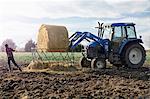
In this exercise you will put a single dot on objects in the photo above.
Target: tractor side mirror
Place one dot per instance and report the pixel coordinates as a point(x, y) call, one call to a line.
point(140, 36)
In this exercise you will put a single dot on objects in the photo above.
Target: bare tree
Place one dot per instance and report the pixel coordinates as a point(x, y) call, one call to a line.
point(10, 42)
point(29, 45)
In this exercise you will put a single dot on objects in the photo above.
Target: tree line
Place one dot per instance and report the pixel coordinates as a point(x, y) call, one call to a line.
point(12, 44)
point(29, 45)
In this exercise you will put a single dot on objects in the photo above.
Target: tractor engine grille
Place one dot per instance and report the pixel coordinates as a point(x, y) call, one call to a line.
point(95, 52)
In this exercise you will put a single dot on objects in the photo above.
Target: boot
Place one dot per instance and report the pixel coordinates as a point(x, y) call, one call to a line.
point(20, 69)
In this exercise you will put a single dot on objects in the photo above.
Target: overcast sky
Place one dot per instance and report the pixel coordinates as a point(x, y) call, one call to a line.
point(21, 19)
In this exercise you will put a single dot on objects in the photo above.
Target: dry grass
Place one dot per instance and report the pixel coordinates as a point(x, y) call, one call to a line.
point(61, 66)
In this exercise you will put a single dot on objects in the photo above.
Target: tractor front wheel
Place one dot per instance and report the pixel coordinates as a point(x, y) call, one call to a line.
point(134, 56)
point(83, 62)
point(98, 63)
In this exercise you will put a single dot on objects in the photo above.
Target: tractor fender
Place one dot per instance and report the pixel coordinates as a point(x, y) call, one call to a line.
point(127, 42)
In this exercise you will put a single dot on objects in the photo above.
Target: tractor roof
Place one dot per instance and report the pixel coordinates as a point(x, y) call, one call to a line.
point(122, 24)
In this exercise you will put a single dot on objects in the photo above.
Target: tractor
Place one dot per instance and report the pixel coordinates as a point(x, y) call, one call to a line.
point(116, 43)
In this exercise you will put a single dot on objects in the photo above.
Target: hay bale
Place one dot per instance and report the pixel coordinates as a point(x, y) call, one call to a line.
point(37, 65)
point(52, 38)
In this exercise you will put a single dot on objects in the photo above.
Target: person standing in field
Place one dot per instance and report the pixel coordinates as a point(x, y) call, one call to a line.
point(9, 52)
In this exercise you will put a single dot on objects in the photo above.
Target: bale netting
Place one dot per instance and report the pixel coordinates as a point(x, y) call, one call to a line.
point(52, 38)
point(42, 65)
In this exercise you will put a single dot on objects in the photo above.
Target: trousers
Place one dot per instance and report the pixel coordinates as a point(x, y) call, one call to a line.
point(11, 59)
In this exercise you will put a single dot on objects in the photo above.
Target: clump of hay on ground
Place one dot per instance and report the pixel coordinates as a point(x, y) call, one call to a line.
point(55, 66)
point(38, 64)
point(63, 67)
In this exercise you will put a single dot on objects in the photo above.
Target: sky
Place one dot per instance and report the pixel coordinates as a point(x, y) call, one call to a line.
point(20, 20)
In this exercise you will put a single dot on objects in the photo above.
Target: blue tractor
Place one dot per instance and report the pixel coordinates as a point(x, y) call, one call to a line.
point(116, 43)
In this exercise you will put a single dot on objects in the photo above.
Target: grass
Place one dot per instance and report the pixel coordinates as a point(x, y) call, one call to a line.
point(26, 57)
point(19, 56)
point(147, 58)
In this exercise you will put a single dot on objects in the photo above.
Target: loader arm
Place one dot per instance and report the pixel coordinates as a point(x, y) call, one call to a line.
point(78, 37)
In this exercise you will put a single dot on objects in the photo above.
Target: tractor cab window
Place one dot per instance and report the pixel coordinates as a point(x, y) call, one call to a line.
point(118, 33)
point(107, 33)
point(131, 32)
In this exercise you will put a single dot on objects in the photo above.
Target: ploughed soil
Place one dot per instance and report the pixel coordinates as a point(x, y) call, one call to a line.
point(82, 84)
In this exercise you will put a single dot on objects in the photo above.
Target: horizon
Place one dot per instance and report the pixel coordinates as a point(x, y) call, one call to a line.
point(21, 20)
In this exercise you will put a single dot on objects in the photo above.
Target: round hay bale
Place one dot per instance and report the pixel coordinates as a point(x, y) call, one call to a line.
point(52, 38)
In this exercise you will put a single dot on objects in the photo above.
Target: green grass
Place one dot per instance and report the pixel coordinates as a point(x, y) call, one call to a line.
point(18, 56)
point(25, 57)
point(147, 58)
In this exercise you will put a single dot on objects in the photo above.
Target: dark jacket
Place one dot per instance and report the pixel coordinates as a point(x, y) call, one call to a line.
point(9, 52)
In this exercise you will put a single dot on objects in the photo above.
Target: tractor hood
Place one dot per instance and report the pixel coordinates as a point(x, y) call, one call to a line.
point(101, 42)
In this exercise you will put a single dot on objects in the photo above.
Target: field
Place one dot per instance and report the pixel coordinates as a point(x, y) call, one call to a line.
point(26, 57)
point(148, 58)
point(81, 84)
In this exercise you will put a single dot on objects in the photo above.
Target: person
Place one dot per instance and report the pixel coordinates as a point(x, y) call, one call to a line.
point(9, 52)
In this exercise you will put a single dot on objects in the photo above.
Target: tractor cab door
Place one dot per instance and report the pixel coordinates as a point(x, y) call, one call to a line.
point(118, 36)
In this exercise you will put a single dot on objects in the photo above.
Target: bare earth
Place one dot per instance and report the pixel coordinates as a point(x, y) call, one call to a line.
point(82, 84)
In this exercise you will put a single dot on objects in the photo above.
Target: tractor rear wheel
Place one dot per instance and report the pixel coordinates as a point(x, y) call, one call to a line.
point(98, 63)
point(83, 62)
point(134, 56)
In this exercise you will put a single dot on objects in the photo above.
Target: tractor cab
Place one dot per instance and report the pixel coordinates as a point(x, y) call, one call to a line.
point(120, 33)
point(117, 30)
point(117, 33)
